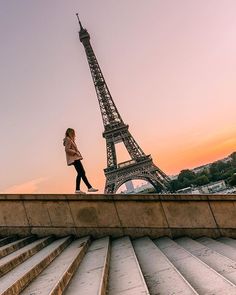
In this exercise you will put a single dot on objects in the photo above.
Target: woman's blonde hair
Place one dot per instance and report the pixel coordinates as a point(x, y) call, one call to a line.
point(70, 132)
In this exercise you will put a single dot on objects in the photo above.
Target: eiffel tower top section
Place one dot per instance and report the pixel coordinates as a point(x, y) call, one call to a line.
point(110, 115)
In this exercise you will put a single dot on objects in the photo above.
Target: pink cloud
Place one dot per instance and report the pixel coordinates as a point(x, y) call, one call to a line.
point(28, 187)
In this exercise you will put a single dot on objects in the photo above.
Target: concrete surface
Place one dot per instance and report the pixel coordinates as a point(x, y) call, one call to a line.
point(118, 215)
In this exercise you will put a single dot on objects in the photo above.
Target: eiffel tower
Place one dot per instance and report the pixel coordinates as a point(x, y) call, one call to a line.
point(141, 165)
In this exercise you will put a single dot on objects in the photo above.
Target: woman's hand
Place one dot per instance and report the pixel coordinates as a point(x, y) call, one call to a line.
point(79, 155)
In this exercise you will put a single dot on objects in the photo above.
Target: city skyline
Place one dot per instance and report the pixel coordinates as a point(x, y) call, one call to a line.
point(182, 84)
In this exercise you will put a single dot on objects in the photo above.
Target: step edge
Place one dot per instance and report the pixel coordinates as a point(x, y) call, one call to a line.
point(70, 271)
point(41, 266)
point(207, 266)
point(175, 269)
point(105, 272)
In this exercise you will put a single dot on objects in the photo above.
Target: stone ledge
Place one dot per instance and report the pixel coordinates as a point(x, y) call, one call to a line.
point(117, 215)
point(118, 197)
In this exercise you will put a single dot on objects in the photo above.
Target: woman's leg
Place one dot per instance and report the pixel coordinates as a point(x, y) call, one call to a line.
point(81, 174)
point(84, 177)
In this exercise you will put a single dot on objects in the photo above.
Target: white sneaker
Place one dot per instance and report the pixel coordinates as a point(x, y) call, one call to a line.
point(92, 190)
point(80, 192)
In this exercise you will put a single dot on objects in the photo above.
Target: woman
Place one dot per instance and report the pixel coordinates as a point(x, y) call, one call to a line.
point(73, 157)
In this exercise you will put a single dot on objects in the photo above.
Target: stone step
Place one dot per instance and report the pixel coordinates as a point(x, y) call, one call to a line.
point(7, 240)
point(125, 275)
point(10, 261)
point(16, 280)
point(203, 278)
point(161, 276)
point(13, 246)
point(54, 279)
point(219, 247)
point(223, 265)
point(228, 241)
point(121, 267)
point(92, 274)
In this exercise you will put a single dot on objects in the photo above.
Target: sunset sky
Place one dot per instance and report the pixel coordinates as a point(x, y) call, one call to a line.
point(169, 64)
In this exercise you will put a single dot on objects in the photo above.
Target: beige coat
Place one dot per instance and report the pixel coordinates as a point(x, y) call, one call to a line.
point(72, 152)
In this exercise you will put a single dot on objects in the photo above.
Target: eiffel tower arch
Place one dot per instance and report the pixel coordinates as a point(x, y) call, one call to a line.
point(140, 165)
point(115, 181)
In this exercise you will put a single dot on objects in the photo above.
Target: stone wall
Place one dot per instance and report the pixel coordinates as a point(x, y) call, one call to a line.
point(118, 215)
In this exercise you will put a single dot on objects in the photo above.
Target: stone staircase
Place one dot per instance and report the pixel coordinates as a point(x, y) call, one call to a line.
point(49, 265)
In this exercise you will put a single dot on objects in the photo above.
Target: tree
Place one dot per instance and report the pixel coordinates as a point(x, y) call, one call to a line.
point(204, 172)
point(233, 156)
point(186, 182)
point(227, 174)
point(201, 180)
point(232, 181)
point(214, 172)
point(186, 175)
point(174, 185)
point(214, 168)
point(220, 165)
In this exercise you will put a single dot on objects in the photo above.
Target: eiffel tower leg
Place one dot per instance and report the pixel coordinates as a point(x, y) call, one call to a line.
point(156, 178)
point(158, 187)
point(111, 154)
point(132, 147)
point(109, 187)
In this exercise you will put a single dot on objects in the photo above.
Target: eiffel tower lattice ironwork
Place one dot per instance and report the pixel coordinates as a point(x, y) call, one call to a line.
point(141, 165)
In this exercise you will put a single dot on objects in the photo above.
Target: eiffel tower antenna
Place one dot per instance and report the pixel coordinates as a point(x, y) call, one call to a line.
point(81, 27)
point(141, 165)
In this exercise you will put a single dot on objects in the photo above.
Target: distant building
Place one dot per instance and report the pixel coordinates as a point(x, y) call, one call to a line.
point(185, 190)
point(201, 168)
point(129, 186)
point(229, 190)
point(143, 187)
point(209, 188)
point(173, 177)
point(227, 159)
point(213, 187)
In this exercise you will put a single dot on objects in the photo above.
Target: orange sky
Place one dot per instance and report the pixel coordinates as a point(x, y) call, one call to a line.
point(200, 153)
point(170, 66)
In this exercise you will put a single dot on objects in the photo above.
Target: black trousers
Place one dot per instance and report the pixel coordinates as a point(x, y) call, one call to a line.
point(80, 174)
